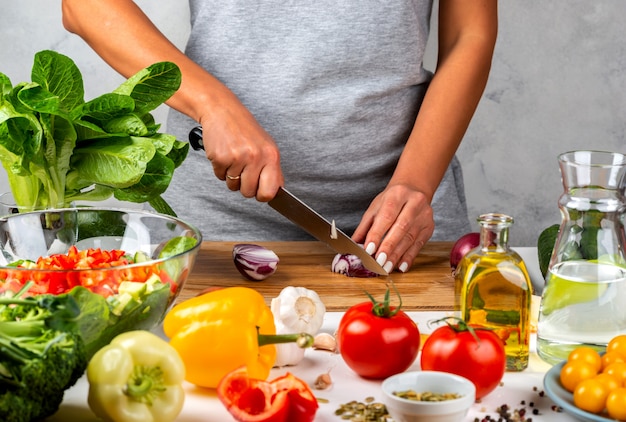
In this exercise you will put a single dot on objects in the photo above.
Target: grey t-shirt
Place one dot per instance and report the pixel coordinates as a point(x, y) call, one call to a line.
point(337, 84)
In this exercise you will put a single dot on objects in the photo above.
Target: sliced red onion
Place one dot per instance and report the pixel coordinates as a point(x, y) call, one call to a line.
point(351, 266)
point(254, 262)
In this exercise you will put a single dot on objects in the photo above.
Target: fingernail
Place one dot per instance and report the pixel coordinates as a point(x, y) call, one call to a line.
point(403, 267)
point(371, 248)
point(382, 258)
point(388, 266)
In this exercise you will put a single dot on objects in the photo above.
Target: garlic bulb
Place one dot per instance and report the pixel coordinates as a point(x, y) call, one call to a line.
point(299, 309)
point(296, 310)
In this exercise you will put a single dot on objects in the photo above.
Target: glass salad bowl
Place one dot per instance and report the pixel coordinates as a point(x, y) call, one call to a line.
point(124, 268)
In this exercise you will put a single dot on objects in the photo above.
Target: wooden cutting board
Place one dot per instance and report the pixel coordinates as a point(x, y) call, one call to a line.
point(429, 284)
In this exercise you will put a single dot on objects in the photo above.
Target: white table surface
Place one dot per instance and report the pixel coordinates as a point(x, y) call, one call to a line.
point(203, 404)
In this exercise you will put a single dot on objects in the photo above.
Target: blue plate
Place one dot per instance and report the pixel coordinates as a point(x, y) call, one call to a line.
point(561, 397)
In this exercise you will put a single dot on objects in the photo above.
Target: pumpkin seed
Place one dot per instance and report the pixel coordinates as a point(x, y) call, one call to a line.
point(367, 411)
point(426, 395)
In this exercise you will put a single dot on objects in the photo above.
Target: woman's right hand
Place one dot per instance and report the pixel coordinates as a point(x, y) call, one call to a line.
point(242, 153)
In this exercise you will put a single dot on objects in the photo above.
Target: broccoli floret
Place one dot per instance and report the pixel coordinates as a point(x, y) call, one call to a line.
point(41, 355)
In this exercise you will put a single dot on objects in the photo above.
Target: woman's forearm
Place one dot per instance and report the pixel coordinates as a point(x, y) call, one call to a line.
point(466, 42)
point(121, 33)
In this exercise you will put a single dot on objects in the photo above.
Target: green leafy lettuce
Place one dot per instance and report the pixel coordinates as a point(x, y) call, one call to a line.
point(56, 148)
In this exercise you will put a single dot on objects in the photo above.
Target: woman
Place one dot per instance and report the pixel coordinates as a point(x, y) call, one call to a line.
point(322, 97)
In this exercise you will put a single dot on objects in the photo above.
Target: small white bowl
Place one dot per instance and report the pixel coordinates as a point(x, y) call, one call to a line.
point(405, 410)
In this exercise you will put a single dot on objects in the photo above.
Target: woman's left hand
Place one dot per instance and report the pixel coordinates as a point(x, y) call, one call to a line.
point(395, 227)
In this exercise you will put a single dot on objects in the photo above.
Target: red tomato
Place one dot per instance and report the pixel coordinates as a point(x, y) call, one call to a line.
point(284, 399)
point(377, 346)
point(477, 356)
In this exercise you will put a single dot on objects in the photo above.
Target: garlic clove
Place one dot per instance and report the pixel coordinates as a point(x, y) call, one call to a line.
point(325, 341)
point(323, 382)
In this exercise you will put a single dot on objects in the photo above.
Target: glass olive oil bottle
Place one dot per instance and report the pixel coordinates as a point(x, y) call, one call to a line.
point(495, 289)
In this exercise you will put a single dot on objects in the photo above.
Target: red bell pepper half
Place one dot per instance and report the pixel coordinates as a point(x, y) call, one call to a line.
point(284, 399)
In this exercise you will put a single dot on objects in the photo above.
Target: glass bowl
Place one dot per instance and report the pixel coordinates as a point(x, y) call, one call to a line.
point(77, 245)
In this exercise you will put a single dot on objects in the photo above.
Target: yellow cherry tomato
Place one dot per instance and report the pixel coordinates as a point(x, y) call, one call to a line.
point(591, 395)
point(616, 404)
point(611, 381)
point(618, 369)
point(586, 354)
point(611, 357)
point(574, 372)
point(617, 344)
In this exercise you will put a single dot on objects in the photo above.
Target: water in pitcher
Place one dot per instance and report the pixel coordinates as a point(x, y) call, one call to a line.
point(584, 302)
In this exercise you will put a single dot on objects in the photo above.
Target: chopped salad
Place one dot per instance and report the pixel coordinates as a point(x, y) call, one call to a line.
point(100, 271)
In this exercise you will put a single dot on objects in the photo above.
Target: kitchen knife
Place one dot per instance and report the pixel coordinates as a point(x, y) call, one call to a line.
point(317, 226)
point(308, 219)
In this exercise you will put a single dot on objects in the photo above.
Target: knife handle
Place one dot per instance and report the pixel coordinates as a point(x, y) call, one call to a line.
point(195, 138)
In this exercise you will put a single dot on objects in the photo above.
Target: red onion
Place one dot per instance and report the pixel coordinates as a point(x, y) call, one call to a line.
point(351, 266)
point(466, 243)
point(254, 262)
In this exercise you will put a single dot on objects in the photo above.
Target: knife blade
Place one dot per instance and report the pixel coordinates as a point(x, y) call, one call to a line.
point(317, 226)
point(308, 219)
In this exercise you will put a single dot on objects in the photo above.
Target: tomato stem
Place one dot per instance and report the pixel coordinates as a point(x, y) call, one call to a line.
point(383, 309)
point(459, 325)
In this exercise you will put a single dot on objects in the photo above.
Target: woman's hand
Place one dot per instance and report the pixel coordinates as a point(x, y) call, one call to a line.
point(242, 153)
point(397, 224)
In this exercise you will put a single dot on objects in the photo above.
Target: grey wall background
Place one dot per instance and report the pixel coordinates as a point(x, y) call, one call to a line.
point(558, 83)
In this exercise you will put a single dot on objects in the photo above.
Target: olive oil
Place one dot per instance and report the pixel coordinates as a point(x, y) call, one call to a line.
point(495, 289)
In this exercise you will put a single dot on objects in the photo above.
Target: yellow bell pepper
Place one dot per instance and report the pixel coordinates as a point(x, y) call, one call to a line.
point(137, 377)
point(220, 331)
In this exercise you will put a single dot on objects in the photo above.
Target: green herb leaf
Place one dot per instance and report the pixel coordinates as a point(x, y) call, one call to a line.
point(5, 85)
point(59, 75)
point(152, 86)
point(115, 162)
point(545, 246)
point(154, 181)
point(57, 148)
point(104, 108)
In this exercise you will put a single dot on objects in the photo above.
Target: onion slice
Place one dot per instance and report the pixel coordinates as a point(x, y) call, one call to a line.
point(254, 262)
point(351, 266)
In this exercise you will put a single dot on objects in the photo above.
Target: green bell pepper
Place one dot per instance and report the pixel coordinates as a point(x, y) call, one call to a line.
point(137, 377)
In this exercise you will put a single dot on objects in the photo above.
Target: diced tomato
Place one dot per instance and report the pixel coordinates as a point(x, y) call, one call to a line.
point(59, 273)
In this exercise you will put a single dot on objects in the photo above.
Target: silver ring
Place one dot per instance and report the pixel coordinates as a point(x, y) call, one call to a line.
point(229, 177)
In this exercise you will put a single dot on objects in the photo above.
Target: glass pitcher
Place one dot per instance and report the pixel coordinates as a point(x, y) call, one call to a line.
point(584, 299)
